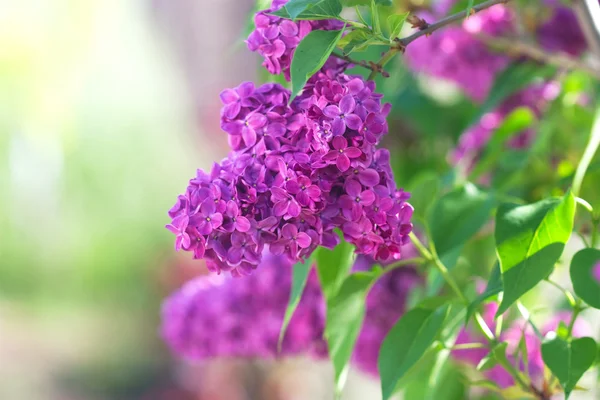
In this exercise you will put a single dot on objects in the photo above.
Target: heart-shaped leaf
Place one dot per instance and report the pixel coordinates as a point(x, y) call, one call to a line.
point(568, 361)
point(585, 283)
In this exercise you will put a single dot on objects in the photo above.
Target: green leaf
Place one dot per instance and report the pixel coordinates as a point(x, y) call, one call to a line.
point(568, 361)
point(345, 314)
point(456, 217)
point(395, 23)
point(310, 55)
point(585, 284)
point(313, 10)
point(529, 241)
point(357, 40)
point(352, 3)
point(300, 273)
point(333, 266)
point(469, 7)
point(406, 343)
point(375, 18)
point(494, 286)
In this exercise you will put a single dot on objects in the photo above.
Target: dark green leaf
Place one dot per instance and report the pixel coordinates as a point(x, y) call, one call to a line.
point(568, 361)
point(456, 217)
point(310, 55)
point(585, 284)
point(395, 23)
point(345, 314)
point(333, 266)
point(494, 286)
point(314, 10)
point(406, 343)
point(529, 241)
point(299, 277)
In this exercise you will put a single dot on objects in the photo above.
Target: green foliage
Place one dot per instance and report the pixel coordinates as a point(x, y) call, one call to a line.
point(406, 343)
point(357, 40)
point(299, 277)
point(584, 283)
point(395, 23)
point(494, 287)
point(569, 360)
point(333, 266)
point(310, 55)
point(345, 314)
point(310, 10)
point(529, 241)
point(424, 189)
point(352, 3)
point(456, 217)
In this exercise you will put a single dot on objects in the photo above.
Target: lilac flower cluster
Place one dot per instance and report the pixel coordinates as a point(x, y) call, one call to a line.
point(536, 98)
point(296, 173)
point(512, 336)
point(276, 38)
point(455, 54)
point(217, 316)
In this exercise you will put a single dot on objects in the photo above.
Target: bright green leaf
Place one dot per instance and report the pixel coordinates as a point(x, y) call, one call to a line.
point(333, 266)
point(310, 55)
point(423, 192)
point(352, 3)
point(395, 23)
point(314, 10)
point(406, 343)
point(300, 273)
point(494, 286)
point(469, 7)
point(529, 241)
point(456, 217)
point(585, 284)
point(375, 18)
point(568, 361)
point(357, 40)
point(345, 314)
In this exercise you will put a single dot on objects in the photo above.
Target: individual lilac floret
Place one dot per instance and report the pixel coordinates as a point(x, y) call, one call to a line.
point(471, 143)
point(276, 38)
point(227, 317)
point(217, 316)
point(297, 172)
point(512, 336)
point(454, 54)
point(561, 31)
point(596, 272)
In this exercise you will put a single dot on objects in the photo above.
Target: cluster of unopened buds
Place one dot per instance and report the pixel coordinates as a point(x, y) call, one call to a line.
point(298, 170)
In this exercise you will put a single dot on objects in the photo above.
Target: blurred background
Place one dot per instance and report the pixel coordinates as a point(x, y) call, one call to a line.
point(106, 110)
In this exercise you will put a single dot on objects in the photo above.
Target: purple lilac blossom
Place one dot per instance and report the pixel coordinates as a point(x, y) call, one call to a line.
point(454, 54)
point(218, 316)
point(276, 38)
point(512, 336)
point(296, 173)
point(561, 31)
point(471, 143)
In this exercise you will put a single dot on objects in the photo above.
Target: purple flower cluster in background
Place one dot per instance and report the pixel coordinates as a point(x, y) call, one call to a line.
point(596, 271)
point(219, 316)
point(536, 98)
point(296, 173)
point(512, 336)
point(457, 55)
point(276, 38)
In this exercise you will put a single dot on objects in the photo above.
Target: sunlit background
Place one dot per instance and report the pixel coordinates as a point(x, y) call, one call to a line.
point(106, 110)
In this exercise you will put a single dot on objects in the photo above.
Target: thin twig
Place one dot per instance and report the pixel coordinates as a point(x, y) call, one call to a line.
point(448, 20)
point(365, 64)
point(517, 47)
